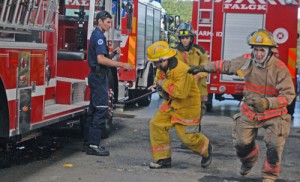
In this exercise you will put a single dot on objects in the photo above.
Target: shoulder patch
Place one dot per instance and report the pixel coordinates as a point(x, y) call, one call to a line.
point(200, 48)
point(100, 42)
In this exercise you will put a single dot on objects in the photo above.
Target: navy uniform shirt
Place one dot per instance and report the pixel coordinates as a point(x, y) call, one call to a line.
point(97, 46)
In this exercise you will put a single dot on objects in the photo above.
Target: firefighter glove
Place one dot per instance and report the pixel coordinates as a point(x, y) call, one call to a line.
point(162, 93)
point(196, 69)
point(259, 104)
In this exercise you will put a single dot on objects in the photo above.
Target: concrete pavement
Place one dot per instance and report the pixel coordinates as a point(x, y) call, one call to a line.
point(130, 155)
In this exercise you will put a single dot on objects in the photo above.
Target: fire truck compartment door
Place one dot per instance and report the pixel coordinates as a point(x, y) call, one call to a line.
point(24, 92)
point(148, 31)
point(24, 110)
point(237, 27)
point(141, 46)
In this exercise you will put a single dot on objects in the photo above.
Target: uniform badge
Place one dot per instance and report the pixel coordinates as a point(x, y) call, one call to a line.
point(100, 42)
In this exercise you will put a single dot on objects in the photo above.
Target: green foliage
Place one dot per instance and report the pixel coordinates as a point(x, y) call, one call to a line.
point(298, 48)
point(181, 8)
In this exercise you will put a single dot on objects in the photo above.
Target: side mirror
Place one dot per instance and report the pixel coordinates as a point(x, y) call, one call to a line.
point(177, 21)
point(167, 21)
point(170, 19)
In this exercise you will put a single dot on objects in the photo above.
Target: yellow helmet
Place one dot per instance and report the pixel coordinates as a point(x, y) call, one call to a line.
point(160, 50)
point(261, 37)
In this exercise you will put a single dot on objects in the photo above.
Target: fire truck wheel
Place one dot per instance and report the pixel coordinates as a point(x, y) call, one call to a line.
point(209, 103)
point(291, 107)
point(132, 95)
point(146, 100)
point(5, 156)
point(113, 82)
point(107, 130)
point(150, 80)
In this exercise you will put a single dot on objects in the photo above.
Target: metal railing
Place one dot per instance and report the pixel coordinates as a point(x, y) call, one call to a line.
point(27, 15)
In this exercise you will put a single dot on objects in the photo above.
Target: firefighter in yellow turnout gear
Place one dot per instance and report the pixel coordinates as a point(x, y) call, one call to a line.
point(193, 55)
point(180, 108)
point(269, 89)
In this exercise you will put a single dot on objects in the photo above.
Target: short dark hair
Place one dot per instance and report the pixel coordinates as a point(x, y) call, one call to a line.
point(103, 15)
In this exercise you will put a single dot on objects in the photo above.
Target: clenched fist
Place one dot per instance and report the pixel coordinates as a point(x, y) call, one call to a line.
point(196, 69)
point(127, 66)
point(259, 104)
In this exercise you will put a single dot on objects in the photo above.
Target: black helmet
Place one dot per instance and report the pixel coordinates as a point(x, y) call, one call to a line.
point(185, 29)
point(103, 15)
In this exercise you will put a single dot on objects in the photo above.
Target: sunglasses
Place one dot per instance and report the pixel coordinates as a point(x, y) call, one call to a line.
point(183, 32)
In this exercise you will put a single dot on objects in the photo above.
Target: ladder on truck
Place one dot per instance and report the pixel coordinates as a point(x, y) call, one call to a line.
point(24, 16)
point(205, 24)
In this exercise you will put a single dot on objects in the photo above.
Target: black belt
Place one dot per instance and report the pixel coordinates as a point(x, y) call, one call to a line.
point(99, 70)
point(93, 69)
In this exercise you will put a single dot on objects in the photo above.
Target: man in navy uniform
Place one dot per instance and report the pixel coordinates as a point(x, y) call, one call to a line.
point(100, 62)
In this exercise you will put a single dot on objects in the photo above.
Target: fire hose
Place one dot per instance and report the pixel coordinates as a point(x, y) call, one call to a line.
point(139, 97)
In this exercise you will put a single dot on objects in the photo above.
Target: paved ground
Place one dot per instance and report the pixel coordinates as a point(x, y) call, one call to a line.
point(130, 155)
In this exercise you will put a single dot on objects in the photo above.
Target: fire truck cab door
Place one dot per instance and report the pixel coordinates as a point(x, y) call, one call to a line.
point(237, 27)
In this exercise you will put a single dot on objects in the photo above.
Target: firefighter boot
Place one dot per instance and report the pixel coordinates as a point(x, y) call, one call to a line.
point(97, 150)
point(84, 146)
point(205, 162)
point(161, 163)
point(183, 146)
point(245, 169)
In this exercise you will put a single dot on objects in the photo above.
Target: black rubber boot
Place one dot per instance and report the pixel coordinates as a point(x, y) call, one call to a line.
point(183, 146)
point(245, 169)
point(161, 163)
point(84, 146)
point(205, 162)
point(96, 150)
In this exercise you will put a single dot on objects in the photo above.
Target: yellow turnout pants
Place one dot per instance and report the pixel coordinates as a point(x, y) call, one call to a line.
point(160, 137)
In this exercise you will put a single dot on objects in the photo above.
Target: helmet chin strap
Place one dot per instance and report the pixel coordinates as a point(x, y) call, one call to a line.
point(263, 62)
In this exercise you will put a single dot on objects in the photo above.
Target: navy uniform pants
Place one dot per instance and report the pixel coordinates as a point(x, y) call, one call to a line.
point(98, 108)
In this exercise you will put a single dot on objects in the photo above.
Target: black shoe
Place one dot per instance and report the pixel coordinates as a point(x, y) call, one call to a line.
point(245, 169)
point(84, 147)
point(161, 163)
point(97, 150)
point(183, 146)
point(205, 162)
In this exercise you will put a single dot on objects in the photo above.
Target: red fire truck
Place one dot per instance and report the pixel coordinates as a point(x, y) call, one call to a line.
point(223, 26)
point(43, 59)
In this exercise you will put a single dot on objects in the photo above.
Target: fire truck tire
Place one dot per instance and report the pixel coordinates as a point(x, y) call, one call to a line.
point(132, 94)
point(113, 82)
point(209, 103)
point(107, 129)
point(5, 156)
point(291, 107)
point(150, 80)
point(4, 112)
point(146, 100)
